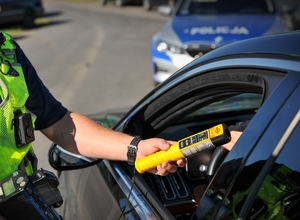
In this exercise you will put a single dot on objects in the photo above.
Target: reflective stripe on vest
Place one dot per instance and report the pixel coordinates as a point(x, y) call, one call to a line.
point(13, 95)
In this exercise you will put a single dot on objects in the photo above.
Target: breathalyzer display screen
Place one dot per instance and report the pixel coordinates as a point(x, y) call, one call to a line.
point(8, 187)
point(193, 139)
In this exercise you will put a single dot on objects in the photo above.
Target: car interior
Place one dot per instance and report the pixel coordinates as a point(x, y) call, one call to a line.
point(227, 96)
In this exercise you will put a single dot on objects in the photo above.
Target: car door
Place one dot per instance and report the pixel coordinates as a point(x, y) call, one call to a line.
point(260, 177)
point(224, 95)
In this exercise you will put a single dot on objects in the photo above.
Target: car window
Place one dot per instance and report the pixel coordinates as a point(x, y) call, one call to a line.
point(205, 7)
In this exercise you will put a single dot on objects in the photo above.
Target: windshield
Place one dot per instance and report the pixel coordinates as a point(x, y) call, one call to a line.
point(213, 7)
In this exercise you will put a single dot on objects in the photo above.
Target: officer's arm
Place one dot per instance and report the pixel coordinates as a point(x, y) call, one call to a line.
point(79, 134)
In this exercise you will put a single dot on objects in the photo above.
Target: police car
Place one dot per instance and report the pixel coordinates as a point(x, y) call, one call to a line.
point(199, 26)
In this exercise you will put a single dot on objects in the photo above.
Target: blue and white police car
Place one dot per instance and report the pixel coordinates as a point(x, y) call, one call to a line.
point(199, 26)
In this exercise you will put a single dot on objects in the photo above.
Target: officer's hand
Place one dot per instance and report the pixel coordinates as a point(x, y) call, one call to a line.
point(152, 145)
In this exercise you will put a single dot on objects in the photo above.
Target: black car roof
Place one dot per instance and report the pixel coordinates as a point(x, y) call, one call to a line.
point(284, 44)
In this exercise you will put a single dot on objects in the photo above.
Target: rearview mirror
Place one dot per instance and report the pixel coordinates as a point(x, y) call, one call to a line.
point(61, 159)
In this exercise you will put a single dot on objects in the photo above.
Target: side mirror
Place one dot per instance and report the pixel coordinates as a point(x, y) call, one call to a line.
point(61, 159)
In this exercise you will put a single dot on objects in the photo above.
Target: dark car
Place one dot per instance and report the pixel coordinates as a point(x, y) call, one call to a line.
point(21, 11)
point(255, 82)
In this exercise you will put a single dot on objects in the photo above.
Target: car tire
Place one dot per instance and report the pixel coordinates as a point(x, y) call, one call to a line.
point(120, 3)
point(28, 20)
point(103, 2)
point(147, 5)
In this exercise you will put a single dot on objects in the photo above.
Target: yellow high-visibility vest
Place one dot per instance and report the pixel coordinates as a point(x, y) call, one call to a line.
point(13, 95)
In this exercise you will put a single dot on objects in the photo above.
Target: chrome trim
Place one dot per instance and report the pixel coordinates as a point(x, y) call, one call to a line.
point(286, 135)
point(270, 63)
point(125, 183)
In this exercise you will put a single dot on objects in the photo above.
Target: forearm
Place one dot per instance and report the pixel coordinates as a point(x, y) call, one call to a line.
point(78, 134)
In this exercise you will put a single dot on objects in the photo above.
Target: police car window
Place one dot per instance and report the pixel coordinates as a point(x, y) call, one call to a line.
point(204, 7)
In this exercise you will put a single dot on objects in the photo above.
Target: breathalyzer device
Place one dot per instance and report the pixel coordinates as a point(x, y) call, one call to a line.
point(187, 147)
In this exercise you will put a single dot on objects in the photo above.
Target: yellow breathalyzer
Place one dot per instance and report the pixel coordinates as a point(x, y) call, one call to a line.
point(187, 147)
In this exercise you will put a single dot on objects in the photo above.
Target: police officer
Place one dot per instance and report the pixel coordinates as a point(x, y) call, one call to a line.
point(76, 132)
point(24, 98)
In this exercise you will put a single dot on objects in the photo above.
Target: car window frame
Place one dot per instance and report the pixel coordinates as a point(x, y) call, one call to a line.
point(150, 115)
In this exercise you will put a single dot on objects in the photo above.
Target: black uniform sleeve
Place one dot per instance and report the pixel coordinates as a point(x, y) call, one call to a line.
point(40, 102)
